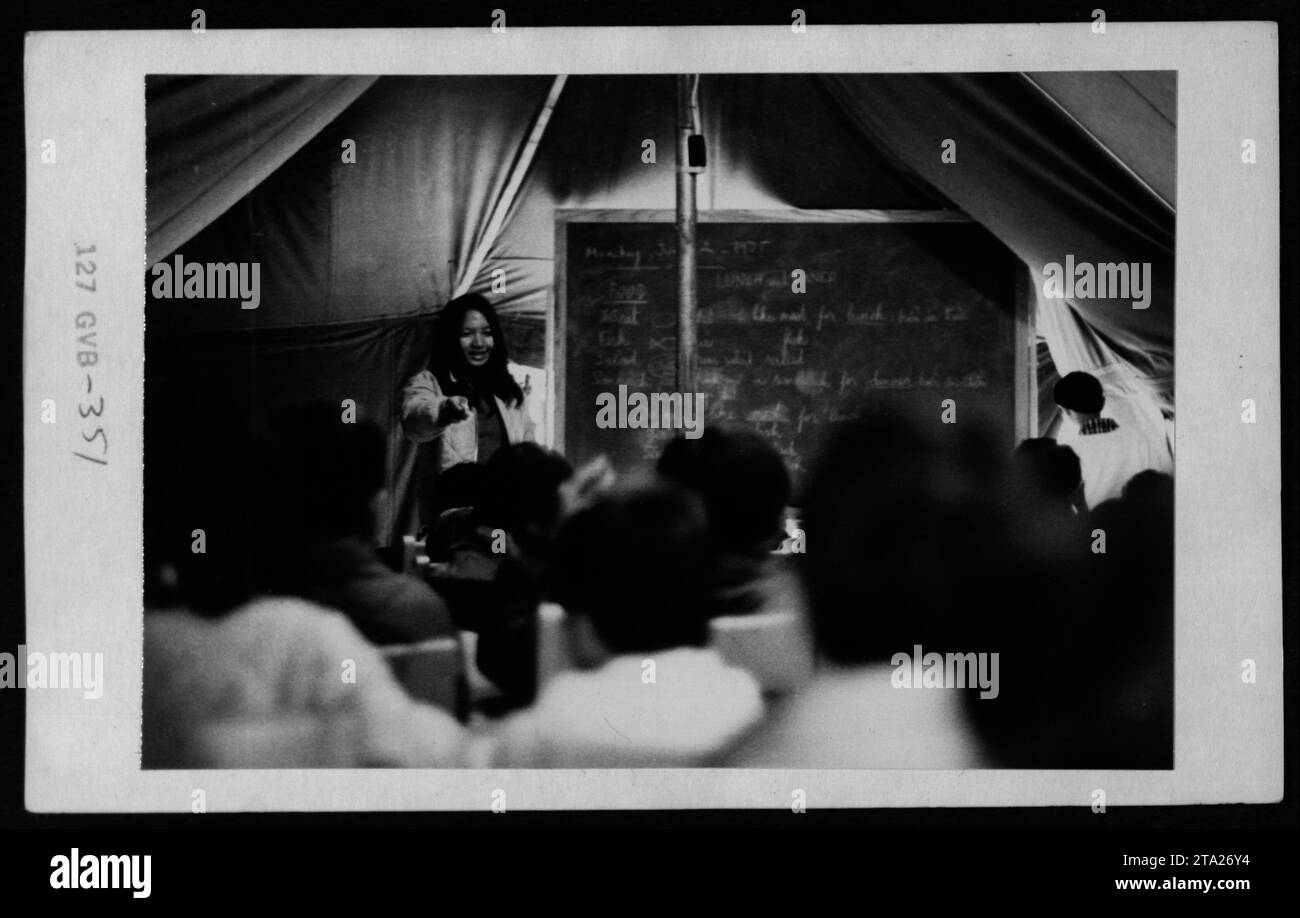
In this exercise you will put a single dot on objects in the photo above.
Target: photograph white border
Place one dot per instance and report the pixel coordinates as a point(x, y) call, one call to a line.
point(83, 521)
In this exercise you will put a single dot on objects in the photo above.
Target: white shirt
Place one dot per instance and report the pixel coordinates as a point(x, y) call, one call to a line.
point(854, 717)
point(1108, 460)
point(614, 717)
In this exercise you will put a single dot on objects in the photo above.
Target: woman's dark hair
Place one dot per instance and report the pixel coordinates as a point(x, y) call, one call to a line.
point(447, 362)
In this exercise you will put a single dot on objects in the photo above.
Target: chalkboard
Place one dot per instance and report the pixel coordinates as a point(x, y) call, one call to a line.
point(908, 312)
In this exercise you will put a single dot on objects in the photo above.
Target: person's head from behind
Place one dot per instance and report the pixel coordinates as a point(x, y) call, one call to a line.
point(1149, 496)
point(902, 524)
point(1047, 474)
point(469, 347)
point(520, 493)
point(632, 571)
point(325, 475)
point(742, 480)
point(1080, 396)
point(1150, 490)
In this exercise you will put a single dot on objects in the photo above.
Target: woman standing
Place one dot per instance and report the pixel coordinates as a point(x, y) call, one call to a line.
point(466, 405)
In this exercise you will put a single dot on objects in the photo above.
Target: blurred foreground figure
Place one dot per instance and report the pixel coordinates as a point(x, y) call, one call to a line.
point(234, 677)
point(281, 683)
point(900, 531)
point(633, 573)
point(317, 527)
point(1087, 635)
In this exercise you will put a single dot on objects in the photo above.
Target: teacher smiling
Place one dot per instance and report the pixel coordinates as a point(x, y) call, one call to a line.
point(466, 405)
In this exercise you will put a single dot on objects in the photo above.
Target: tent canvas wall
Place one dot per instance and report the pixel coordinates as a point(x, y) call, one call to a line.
point(364, 200)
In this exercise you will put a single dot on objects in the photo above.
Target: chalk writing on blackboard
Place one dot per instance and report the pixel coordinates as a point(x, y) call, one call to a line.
point(897, 314)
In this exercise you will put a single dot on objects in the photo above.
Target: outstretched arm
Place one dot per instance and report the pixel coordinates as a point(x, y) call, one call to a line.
point(426, 412)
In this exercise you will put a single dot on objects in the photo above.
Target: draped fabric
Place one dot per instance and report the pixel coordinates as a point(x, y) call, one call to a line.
point(438, 156)
point(356, 257)
point(388, 234)
point(1132, 114)
point(374, 216)
point(1046, 186)
point(212, 140)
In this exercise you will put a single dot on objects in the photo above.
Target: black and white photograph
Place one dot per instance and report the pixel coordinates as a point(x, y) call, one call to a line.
point(588, 422)
point(780, 418)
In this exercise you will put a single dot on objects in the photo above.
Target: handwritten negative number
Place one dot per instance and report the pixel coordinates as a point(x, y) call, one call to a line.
point(87, 267)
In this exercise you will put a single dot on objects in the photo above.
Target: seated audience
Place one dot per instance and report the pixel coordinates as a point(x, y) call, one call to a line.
point(1103, 581)
point(266, 685)
point(325, 484)
point(633, 573)
point(232, 679)
point(1136, 573)
point(497, 552)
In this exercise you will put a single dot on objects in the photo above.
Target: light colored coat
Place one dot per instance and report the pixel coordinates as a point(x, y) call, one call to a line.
point(422, 400)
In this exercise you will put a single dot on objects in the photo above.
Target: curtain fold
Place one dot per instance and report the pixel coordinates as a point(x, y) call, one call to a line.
point(1035, 178)
point(212, 140)
point(1131, 113)
point(434, 159)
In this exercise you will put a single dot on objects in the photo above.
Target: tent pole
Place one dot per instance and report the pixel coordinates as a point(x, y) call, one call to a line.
point(686, 213)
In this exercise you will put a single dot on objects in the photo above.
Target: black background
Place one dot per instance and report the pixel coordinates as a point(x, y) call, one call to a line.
point(1051, 855)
